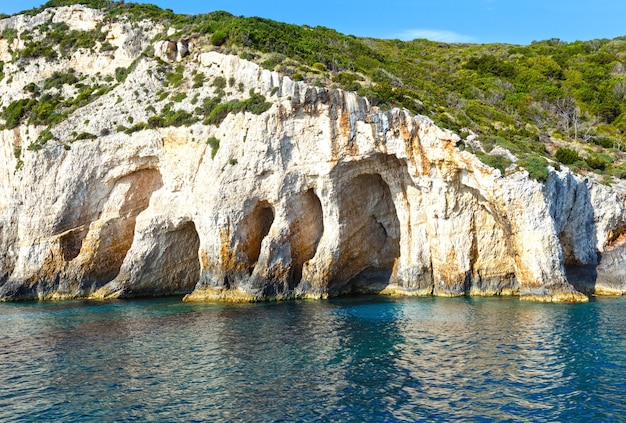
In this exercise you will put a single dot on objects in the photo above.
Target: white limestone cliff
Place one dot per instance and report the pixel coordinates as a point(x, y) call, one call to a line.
point(320, 195)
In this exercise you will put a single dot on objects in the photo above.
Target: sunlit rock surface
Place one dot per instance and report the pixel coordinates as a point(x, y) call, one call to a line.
point(320, 195)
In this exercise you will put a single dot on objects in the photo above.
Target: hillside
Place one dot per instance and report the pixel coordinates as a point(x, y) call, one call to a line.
point(531, 100)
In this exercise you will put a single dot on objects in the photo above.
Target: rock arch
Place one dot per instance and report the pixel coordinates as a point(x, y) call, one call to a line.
point(369, 236)
point(163, 261)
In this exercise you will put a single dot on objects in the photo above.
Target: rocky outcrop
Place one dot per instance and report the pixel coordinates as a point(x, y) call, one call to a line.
point(319, 195)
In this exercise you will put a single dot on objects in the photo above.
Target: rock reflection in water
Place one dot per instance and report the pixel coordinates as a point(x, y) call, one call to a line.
point(365, 359)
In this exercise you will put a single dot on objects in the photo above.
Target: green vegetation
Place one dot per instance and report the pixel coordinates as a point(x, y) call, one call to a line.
point(58, 79)
point(255, 104)
point(175, 78)
point(170, 117)
point(122, 73)
point(178, 97)
point(536, 167)
point(219, 37)
point(140, 126)
point(198, 80)
point(219, 82)
point(497, 162)
point(567, 156)
point(9, 34)
point(85, 136)
point(215, 145)
point(522, 98)
point(44, 136)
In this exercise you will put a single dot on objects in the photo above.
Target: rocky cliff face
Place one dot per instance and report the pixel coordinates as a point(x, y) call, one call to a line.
point(314, 194)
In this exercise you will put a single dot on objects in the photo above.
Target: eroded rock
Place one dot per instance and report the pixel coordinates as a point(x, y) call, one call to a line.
point(320, 195)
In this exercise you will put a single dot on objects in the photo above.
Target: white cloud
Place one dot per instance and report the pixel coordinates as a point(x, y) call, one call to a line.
point(436, 35)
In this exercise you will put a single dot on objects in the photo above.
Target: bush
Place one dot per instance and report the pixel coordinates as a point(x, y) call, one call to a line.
point(169, 117)
point(179, 97)
point(198, 80)
point(58, 79)
point(319, 66)
point(175, 79)
point(85, 136)
point(598, 162)
point(219, 37)
point(136, 127)
point(14, 112)
point(215, 145)
point(497, 162)
point(255, 104)
point(219, 82)
point(9, 34)
point(122, 73)
point(567, 156)
point(536, 167)
point(44, 136)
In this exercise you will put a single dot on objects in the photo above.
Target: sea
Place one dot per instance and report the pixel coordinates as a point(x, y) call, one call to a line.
point(361, 359)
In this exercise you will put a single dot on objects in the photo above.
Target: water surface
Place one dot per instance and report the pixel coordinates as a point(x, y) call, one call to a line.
point(359, 359)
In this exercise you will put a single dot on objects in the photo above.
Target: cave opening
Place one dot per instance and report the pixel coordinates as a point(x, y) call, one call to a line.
point(251, 232)
point(370, 236)
point(306, 231)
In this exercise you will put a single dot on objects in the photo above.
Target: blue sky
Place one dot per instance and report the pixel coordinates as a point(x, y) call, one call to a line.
point(478, 21)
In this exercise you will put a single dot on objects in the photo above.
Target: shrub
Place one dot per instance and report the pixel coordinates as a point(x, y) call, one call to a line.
point(175, 79)
point(9, 34)
point(219, 37)
point(598, 162)
point(122, 73)
point(34, 50)
point(567, 156)
point(215, 145)
point(319, 66)
point(497, 162)
point(33, 146)
point(14, 112)
point(219, 82)
point(179, 97)
point(85, 136)
point(198, 80)
point(255, 104)
point(208, 104)
point(536, 167)
point(271, 62)
point(58, 79)
point(32, 88)
point(44, 136)
point(136, 127)
point(169, 117)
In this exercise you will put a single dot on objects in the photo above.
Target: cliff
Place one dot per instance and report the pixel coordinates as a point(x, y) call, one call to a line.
point(195, 172)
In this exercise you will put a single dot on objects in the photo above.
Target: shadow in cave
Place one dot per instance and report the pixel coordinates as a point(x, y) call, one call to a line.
point(370, 237)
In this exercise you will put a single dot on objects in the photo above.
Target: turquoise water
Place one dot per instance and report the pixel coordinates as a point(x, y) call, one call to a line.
point(360, 359)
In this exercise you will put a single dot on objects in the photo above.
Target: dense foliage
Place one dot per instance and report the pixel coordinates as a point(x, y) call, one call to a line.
point(531, 100)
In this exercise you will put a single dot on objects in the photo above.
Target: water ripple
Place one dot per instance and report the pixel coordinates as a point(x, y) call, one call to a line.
point(364, 359)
